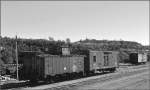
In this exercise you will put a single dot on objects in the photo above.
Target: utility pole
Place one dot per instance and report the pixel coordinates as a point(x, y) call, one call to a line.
point(17, 58)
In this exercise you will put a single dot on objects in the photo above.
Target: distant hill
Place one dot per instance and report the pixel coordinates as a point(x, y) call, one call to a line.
point(147, 47)
point(53, 47)
point(43, 45)
point(108, 44)
point(123, 47)
point(7, 47)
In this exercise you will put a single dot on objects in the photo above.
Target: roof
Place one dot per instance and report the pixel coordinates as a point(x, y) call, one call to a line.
point(49, 55)
point(100, 51)
point(30, 51)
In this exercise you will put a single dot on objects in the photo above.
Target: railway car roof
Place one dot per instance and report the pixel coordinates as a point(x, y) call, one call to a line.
point(50, 55)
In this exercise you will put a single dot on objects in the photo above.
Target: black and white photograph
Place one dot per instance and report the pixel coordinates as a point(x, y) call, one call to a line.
point(74, 45)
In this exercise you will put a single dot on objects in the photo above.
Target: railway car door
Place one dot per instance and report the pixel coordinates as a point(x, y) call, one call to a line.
point(140, 58)
point(74, 67)
point(106, 59)
point(94, 62)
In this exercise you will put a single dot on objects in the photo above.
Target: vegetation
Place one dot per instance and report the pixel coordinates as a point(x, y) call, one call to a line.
point(51, 46)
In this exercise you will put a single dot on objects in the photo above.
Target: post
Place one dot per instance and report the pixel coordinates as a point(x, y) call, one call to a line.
point(17, 58)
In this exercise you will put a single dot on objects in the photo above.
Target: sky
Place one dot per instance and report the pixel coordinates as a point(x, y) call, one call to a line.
point(109, 20)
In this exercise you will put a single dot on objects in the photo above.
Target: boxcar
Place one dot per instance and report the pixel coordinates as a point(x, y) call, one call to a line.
point(27, 59)
point(46, 66)
point(138, 58)
point(101, 61)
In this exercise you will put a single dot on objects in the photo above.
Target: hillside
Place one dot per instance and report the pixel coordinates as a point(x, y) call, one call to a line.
point(108, 45)
point(123, 47)
point(7, 52)
point(53, 47)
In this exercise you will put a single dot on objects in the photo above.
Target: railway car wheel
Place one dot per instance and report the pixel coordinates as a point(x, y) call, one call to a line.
point(49, 79)
point(113, 69)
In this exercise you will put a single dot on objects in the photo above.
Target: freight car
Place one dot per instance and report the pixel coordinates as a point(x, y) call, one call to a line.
point(100, 61)
point(52, 67)
point(56, 67)
point(138, 58)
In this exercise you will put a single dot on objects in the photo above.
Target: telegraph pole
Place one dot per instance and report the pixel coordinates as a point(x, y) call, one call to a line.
point(17, 58)
point(0, 20)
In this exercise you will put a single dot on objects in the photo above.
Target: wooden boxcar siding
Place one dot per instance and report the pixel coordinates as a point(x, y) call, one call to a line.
point(99, 60)
point(140, 58)
point(48, 65)
point(99, 64)
point(28, 66)
point(145, 57)
point(113, 59)
point(27, 58)
point(87, 62)
point(39, 67)
point(76, 64)
point(55, 65)
point(80, 64)
point(117, 59)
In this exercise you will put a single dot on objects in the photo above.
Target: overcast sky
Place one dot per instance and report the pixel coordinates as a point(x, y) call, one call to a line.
point(111, 20)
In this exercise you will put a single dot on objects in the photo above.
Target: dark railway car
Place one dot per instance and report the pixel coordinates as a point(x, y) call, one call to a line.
point(148, 57)
point(101, 61)
point(26, 58)
point(46, 66)
point(23, 55)
point(138, 58)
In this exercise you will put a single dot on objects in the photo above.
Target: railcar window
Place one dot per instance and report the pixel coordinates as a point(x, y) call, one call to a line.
point(94, 59)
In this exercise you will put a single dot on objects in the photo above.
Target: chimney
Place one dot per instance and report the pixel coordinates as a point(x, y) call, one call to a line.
point(65, 50)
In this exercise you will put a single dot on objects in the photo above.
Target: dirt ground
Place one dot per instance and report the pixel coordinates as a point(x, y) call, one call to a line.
point(139, 81)
point(125, 78)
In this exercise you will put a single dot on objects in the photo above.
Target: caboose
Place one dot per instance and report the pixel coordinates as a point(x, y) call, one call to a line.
point(101, 61)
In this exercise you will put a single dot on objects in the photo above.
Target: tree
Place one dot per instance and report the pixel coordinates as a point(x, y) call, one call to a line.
point(51, 38)
point(68, 41)
point(2, 69)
